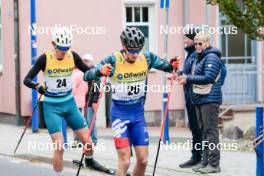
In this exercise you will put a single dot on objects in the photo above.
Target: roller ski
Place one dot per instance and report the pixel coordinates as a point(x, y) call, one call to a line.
point(94, 165)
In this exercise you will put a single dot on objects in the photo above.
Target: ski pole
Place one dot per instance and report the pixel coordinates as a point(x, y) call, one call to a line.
point(258, 142)
point(257, 139)
point(27, 125)
point(92, 123)
point(162, 126)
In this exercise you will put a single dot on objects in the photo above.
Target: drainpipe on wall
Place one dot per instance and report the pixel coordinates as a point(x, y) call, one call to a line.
point(35, 120)
point(17, 63)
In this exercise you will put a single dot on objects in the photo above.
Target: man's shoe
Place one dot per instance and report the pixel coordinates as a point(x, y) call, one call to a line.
point(210, 169)
point(189, 163)
point(94, 165)
point(198, 166)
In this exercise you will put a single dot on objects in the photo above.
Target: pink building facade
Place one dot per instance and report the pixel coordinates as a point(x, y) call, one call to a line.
point(96, 27)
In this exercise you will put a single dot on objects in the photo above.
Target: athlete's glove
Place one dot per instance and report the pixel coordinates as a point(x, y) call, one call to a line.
point(106, 70)
point(41, 89)
point(175, 62)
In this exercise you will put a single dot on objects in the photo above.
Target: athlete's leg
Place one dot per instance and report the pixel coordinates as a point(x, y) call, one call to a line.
point(140, 140)
point(53, 119)
point(123, 161)
point(78, 124)
point(87, 144)
point(121, 138)
point(89, 161)
point(58, 141)
point(76, 121)
point(142, 160)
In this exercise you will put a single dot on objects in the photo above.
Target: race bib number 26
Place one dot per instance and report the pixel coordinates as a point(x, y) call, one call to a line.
point(128, 92)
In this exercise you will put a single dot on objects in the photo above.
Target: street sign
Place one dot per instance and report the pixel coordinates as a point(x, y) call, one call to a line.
point(164, 4)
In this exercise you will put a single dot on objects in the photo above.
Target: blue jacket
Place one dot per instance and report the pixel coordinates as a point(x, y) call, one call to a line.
point(207, 67)
point(187, 70)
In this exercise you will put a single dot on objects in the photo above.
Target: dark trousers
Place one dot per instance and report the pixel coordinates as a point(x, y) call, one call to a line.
point(195, 129)
point(207, 115)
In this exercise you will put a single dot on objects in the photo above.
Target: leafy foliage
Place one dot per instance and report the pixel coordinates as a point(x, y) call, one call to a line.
point(248, 15)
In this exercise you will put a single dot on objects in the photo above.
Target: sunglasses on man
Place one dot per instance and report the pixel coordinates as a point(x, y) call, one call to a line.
point(133, 51)
point(62, 49)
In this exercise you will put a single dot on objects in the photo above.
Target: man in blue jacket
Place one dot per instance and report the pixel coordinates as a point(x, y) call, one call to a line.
point(193, 122)
point(207, 78)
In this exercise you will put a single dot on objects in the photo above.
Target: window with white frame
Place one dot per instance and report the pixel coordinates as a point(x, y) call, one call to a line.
point(1, 38)
point(139, 16)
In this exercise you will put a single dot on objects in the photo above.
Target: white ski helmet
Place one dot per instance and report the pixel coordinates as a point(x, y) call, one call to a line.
point(62, 37)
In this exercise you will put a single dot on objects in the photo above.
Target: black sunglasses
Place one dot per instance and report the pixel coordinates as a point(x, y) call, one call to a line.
point(200, 44)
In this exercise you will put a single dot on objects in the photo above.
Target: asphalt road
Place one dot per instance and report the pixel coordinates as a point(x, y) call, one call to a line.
point(10, 166)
